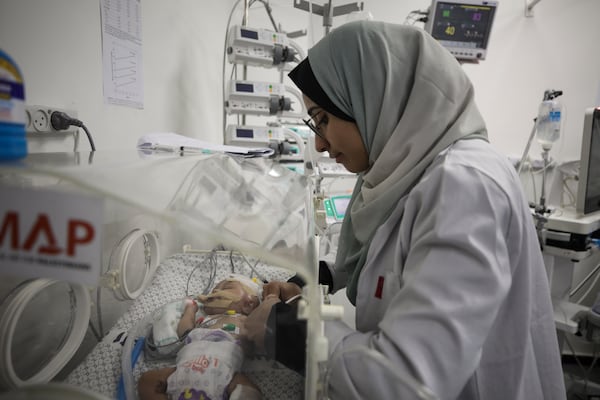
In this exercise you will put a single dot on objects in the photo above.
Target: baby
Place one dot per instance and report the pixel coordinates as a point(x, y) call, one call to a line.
point(208, 365)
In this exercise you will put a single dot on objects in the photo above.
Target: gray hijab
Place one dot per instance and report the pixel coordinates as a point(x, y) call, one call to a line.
point(410, 99)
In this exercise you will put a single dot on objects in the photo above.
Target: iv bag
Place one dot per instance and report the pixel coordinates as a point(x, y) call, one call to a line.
point(548, 123)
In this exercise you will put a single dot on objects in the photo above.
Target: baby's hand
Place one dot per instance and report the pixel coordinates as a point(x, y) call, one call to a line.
point(191, 304)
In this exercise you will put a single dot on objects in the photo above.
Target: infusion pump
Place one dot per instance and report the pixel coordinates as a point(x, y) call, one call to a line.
point(254, 135)
point(258, 98)
point(258, 47)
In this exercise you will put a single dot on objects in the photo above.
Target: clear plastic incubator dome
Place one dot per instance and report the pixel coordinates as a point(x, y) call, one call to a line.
point(121, 265)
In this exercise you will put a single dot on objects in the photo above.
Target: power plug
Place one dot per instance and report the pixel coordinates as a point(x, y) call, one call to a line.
point(39, 120)
point(61, 121)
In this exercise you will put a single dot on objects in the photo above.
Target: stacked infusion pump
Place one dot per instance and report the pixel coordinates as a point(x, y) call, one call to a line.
point(259, 48)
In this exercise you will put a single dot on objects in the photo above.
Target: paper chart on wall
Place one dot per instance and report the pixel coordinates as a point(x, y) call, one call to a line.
point(122, 52)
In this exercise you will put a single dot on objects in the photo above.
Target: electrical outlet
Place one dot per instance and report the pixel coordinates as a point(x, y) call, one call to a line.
point(38, 120)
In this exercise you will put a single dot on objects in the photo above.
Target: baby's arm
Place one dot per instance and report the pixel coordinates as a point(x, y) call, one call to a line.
point(188, 319)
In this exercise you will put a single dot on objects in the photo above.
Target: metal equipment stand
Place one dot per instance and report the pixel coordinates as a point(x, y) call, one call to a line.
point(327, 10)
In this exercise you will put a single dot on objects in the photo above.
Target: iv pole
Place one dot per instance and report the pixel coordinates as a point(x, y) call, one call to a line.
point(327, 10)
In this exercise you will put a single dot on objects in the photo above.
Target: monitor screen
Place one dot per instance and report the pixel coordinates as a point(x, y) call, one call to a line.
point(340, 204)
point(588, 189)
point(463, 27)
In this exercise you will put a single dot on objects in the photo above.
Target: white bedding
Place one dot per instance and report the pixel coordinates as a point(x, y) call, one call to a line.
point(101, 369)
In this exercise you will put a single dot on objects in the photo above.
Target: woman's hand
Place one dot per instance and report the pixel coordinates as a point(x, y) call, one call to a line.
point(283, 290)
point(255, 326)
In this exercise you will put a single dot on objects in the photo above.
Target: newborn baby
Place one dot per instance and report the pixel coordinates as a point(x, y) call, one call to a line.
point(208, 365)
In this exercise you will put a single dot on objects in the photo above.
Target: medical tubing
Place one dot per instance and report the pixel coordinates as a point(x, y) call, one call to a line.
point(298, 94)
point(422, 392)
point(139, 330)
point(545, 156)
point(137, 350)
point(213, 273)
point(298, 139)
point(212, 262)
point(309, 158)
point(231, 261)
point(532, 174)
point(258, 274)
point(568, 342)
point(583, 282)
point(324, 233)
point(299, 50)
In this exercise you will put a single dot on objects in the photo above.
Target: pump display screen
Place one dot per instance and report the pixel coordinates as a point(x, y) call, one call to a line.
point(244, 87)
point(245, 133)
point(249, 34)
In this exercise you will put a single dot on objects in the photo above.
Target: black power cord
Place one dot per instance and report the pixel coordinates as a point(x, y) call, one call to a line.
point(61, 121)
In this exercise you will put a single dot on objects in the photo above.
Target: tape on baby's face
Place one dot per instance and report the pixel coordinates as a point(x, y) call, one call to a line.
point(219, 299)
point(252, 286)
point(245, 288)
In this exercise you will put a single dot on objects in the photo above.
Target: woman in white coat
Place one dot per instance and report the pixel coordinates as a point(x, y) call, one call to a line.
point(438, 251)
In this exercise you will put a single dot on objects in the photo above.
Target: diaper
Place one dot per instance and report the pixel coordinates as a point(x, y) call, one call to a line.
point(205, 365)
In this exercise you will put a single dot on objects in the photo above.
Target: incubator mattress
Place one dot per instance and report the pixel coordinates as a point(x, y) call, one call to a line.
point(101, 369)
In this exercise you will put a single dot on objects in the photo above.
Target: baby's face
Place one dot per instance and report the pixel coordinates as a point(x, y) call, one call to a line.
point(227, 295)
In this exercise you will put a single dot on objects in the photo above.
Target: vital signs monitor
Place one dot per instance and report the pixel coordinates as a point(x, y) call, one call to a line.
point(463, 27)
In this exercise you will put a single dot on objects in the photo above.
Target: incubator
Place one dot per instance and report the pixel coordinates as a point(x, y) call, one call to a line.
point(94, 247)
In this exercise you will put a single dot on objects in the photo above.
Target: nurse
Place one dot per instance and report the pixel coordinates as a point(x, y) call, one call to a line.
point(438, 253)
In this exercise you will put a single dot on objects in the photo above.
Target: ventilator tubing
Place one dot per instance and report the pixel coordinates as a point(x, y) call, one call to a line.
point(139, 330)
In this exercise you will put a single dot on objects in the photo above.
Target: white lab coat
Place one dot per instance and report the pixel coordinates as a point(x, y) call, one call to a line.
point(453, 293)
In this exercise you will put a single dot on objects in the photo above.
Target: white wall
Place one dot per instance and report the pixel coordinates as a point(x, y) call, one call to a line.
point(554, 49)
point(57, 44)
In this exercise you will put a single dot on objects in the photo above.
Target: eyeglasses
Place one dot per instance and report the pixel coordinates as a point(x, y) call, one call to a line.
point(314, 127)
